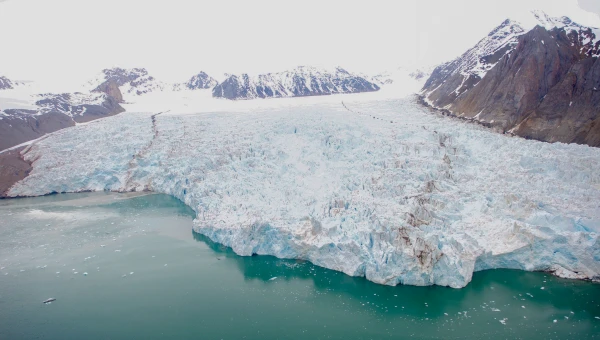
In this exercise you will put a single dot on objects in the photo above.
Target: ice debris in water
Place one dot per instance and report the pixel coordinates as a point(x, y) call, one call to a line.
point(384, 201)
point(273, 278)
point(503, 321)
point(85, 273)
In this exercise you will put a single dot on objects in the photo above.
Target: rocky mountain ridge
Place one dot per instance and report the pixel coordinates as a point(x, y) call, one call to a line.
point(542, 83)
point(299, 82)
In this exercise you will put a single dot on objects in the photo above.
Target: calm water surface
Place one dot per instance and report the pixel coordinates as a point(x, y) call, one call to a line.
point(130, 267)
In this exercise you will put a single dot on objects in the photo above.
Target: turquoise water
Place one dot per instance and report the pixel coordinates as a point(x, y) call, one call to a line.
point(150, 277)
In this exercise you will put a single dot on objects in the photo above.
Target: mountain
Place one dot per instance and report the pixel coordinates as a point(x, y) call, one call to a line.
point(541, 83)
point(134, 82)
point(299, 82)
point(199, 81)
point(7, 84)
point(53, 112)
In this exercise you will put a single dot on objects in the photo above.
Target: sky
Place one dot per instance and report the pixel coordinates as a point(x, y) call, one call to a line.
point(65, 40)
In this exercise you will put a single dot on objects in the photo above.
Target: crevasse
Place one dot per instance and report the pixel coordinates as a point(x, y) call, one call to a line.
point(384, 189)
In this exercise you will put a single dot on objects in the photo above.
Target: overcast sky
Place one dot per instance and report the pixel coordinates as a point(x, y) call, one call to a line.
point(174, 39)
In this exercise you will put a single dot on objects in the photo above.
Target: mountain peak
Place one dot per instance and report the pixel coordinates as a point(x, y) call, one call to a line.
point(134, 81)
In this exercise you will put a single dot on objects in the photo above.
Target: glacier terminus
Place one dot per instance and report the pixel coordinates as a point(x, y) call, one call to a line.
point(385, 189)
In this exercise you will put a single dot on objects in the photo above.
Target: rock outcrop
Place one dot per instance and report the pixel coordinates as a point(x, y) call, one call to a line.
point(5, 83)
point(300, 82)
point(200, 81)
point(546, 86)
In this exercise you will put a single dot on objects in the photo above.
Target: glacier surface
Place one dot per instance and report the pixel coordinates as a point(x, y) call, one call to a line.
point(384, 189)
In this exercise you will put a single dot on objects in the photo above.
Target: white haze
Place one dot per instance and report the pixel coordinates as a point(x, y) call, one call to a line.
point(69, 40)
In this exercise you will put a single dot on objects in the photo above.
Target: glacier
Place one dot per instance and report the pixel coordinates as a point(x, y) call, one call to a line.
point(381, 188)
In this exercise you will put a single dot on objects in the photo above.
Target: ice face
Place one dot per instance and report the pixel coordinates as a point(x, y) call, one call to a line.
point(384, 189)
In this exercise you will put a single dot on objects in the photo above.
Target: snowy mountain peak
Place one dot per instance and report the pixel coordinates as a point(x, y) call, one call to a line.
point(135, 81)
point(197, 82)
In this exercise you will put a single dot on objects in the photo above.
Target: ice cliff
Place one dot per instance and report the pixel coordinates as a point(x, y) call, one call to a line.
point(384, 189)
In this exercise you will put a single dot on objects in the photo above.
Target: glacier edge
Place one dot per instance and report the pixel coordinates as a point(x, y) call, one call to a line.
point(388, 192)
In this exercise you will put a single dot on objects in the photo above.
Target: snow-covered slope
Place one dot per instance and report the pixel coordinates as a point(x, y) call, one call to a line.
point(383, 189)
point(299, 82)
point(402, 80)
point(26, 115)
point(401, 74)
point(450, 80)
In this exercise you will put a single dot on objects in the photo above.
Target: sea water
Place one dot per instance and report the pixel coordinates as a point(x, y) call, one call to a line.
point(129, 266)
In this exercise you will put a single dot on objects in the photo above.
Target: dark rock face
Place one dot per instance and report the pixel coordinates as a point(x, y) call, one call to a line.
point(111, 89)
point(20, 126)
point(12, 169)
point(5, 83)
point(303, 81)
point(450, 80)
point(546, 88)
point(201, 81)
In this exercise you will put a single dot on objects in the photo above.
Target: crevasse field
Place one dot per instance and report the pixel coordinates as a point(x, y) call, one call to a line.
point(385, 189)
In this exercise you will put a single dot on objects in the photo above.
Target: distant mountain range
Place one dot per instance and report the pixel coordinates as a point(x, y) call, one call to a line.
point(300, 82)
point(539, 81)
point(102, 96)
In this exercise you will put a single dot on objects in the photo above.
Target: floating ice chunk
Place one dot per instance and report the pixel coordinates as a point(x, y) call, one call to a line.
point(130, 273)
point(503, 321)
point(273, 278)
point(522, 306)
point(554, 321)
point(495, 310)
point(542, 288)
point(85, 273)
point(49, 300)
